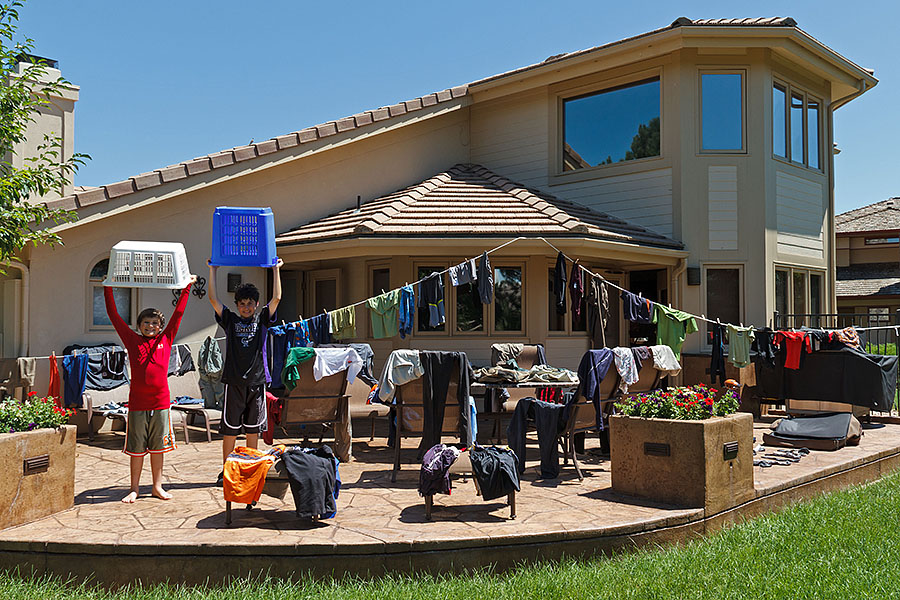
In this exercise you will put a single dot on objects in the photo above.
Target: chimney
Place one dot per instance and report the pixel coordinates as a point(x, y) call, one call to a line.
point(55, 119)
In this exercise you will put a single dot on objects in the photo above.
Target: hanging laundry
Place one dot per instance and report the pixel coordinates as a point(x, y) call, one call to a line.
point(434, 476)
point(437, 369)
point(211, 363)
point(366, 355)
point(625, 365)
point(431, 296)
point(485, 280)
point(343, 323)
point(274, 406)
point(27, 368)
point(794, 343)
point(764, 345)
point(592, 369)
point(559, 284)
point(106, 365)
point(314, 479)
point(848, 336)
point(717, 357)
point(279, 342)
point(402, 366)
point(244, 474)
point(384, 311)
point(463, 273)
point(319, 329)
point(636, 308)
point(53, 388)
point(295, 357)
point(180, 360)
point(597, 307)
point(334, 360)
point(301, 334)
point(407, 311)
point(576, 288)
point(494, 468)
point(672, 326)
point(664, 360)
point(74, 376)
point(641, 355)
point(739, 340)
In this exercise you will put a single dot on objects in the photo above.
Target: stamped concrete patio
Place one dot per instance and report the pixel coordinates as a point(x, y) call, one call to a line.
point(380, 526)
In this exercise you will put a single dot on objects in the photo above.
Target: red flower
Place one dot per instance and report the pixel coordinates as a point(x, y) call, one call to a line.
point(32, 393)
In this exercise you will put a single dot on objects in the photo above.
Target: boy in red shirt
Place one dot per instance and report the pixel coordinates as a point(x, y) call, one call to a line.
point(149, 428)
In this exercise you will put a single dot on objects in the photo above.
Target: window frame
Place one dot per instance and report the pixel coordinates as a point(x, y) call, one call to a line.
point(598, 87)
point(314, 276)
point(790, 89)
point(807, 272)
point(881, 242)
point(744, 73)
point(92, 283)
point(490, 324)
point(371, 267)
point(742, 295)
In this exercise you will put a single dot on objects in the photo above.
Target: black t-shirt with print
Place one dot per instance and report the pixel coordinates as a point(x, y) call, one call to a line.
point(244, 340)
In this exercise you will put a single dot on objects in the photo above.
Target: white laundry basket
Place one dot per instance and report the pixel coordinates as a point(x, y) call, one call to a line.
point(148, 265)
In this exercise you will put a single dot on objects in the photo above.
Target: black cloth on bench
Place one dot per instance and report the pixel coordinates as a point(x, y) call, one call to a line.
point(495, 470)
point(312, 476)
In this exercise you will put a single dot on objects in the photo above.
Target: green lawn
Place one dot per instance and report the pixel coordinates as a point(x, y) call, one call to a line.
point(844, 545)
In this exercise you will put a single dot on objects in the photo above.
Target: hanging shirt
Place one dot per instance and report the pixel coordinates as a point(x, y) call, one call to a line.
point(672, 326)
point(74, 376)
point(319, 329)
point(764, 344)
point(383, 310)
point(559, 284)
point(576, 288)
point(794, 343)
point(244, 342)
point(739, 340)
point(53, 387)
point(636, 308)
point(402, 366)
point(343, 323)
point(431, 296)
point(463, 273)
point(407, 310)
point(295, 357)
point(717, 357)
point(485, 280)
point(626, 367)
point(664, 360)
point(334, 360)
point(597, 308)
point(148, 356)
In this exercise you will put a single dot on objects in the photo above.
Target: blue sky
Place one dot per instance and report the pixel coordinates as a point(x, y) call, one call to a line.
point(165, 81)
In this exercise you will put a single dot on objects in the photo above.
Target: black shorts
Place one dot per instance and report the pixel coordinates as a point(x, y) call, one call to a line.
point(245, 409)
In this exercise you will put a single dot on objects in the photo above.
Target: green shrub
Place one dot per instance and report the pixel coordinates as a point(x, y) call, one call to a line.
point(32, 413)
point(686, 403)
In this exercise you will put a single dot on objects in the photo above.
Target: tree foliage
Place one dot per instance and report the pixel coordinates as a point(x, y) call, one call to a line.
point(22, 96)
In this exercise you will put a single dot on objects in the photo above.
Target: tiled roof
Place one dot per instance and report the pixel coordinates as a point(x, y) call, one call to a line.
point(881, 216)
point(869, 279)
point(87, 196)
point(471, 201)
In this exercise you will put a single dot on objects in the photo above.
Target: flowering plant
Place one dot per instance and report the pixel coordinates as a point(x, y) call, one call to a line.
point(684, 403)
point(32, 413)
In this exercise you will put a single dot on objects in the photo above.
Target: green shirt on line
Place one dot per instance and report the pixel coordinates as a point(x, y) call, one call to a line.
point(672, 326)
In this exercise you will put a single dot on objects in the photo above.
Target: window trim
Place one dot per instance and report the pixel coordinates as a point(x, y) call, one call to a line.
point(490, 328)
point(789, 90)
point(742, 295)
point(807, 271)
point(321, 275)
point(744, 73)
point(557, 138)
point(98, 283)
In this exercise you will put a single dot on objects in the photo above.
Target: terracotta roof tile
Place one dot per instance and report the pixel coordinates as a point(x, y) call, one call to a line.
point(309, 134)
point(147, 180)
point(266, 147)
point(345, 124)
point(469, 199)
point(363, 119)
point(120, 188)
point(326, 129)
point(242, 153)
point(173, 173)
point(380, 114)
point(287, 141)
point(198, 165)
point(92, 196)
point(222, 159)
point(396, 110)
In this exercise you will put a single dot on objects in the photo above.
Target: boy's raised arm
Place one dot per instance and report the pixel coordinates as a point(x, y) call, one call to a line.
point(276, 287)
point(213, 298)
point(178, 313)
point(120, 325)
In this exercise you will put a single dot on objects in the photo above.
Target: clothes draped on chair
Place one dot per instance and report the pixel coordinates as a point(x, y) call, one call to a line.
point(314, 480)
point(438, 368)
point(549, 420)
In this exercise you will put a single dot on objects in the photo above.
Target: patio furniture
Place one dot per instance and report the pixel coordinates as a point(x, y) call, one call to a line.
point(500, 407)
point(463, 467)
point(211, 416)
point(358, 394)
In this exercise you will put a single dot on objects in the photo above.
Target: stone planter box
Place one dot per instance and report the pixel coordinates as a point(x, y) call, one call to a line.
point(685, 463)
point(37, 474)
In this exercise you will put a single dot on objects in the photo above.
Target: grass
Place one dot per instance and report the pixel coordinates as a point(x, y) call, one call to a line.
point(843, 545)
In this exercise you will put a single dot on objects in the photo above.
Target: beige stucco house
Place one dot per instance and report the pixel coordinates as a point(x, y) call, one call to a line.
point(868, 261)
point(692, 163)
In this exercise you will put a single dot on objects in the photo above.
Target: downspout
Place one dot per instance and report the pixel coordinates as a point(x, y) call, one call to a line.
point(679, 303)
point(832, 235)
point(23, 315)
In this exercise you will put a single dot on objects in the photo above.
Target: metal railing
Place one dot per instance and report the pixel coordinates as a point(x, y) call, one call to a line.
point(877, 341)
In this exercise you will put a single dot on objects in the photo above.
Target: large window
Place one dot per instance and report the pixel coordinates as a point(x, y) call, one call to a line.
point(612, 126)
point(122, 296)
point(723, 294)
point(722, 111)
point(569, 321)
point(423, 313)
point(796, 126)
point(799, 291)
point(508, 299)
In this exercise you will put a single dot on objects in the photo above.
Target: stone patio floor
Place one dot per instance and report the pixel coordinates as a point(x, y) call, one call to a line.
point(373, 512)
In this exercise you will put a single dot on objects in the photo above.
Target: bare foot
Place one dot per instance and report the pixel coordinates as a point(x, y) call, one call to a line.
point(130, 498)
point(161, 494)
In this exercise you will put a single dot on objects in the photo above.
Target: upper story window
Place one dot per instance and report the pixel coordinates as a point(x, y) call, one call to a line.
point(882, 240)
point(616, 125)
point(122, 296)
point(796, 126)
point(722, 111)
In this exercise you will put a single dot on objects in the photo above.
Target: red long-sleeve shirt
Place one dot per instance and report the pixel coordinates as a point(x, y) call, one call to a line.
point(148, 356)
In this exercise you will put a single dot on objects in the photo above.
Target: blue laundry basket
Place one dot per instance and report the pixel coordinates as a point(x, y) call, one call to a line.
point(243, 237)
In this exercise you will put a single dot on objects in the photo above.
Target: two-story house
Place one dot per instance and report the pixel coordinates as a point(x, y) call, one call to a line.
point(691, 163)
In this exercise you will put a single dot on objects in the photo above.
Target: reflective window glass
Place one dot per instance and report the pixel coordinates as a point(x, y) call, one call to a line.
point(422, 312)
point(812, 133)
point(722, 105)
point(469, 309)
point(796, 127)
point(611, 126)
point(508, 299)
point(723, 295)
point(779, 141)
point(781, 291)
point(122, 297)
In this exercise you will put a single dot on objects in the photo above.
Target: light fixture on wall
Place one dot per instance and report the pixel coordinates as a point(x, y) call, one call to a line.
point(234, 280)
point(693, 275)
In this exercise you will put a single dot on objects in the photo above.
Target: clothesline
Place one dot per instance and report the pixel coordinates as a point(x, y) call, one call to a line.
point(105, 351)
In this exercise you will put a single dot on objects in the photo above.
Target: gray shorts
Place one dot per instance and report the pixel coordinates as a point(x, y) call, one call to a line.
point(148, 431)
point(245, 409)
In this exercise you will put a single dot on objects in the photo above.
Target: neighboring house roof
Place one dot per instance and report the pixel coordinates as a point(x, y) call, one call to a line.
point(471, 201)
point(186, 169)
point(880, 216)
point(868, 279)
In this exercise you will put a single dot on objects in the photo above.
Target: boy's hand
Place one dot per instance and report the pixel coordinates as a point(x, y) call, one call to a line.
point(278, 264)
point(211, 266)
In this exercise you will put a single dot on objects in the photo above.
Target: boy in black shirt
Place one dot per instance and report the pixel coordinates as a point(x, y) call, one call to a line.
point(244, 372)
